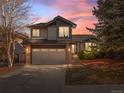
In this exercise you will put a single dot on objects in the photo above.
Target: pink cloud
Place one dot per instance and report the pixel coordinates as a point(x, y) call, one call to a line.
point(39, 19)
point(78, 11)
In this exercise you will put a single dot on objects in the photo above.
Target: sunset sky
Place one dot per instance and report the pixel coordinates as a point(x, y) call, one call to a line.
point(78, 11)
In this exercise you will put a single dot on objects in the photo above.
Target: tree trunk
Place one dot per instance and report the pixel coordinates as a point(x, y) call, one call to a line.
point(10, 48)
point(11, 53)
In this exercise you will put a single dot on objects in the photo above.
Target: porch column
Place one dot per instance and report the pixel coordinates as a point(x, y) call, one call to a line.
point(83, 46)
point(28, 55)
point(78, 47)
point(69, 53)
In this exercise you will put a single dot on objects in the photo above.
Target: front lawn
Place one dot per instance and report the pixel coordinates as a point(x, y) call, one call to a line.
point(6, 70)
point(95, 73)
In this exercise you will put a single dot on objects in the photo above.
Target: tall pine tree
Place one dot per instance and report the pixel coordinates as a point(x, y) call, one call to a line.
point(110, 27)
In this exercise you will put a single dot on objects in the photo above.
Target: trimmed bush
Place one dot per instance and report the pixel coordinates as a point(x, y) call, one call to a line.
point(86, 55)
point(81, 55)
point(91, 54)
point(100, 54)
point(115, 54)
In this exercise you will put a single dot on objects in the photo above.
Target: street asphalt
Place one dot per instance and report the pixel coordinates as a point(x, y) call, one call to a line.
point(49, 79)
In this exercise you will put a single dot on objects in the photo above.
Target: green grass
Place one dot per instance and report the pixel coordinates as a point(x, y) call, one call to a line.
point(97, 75)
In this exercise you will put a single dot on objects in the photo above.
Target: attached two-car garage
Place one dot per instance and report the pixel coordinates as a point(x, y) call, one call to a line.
point(48, 56)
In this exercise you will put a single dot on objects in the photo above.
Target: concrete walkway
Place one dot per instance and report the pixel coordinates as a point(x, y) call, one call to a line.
point(49, 79)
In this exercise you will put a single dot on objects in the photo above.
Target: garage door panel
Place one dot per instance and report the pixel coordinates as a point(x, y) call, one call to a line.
point(48, 56)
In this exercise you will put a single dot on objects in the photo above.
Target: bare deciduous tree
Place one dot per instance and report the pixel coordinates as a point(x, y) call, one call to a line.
point(13, 16)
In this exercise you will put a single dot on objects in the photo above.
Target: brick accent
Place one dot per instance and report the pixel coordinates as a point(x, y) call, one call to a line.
point(28, 55)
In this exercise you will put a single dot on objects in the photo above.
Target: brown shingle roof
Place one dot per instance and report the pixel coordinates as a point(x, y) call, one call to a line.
point(21, 35)
point(83, 38)
point(52, 21)
point(39, 25)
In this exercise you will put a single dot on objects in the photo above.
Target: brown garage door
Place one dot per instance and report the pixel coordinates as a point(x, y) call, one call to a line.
point(48, 56)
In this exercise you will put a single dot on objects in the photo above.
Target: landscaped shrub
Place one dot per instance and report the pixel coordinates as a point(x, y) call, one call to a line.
point(100, 54)
point(119, 54)
point(93, 54)
point(81, 55)
point(86, 55)
point(115, 54)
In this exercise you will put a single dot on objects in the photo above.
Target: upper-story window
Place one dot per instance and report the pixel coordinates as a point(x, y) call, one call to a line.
point(35, 33)
point(63, 31)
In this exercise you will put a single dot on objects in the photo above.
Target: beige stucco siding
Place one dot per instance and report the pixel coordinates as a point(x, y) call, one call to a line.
point(43, 34)
point(52, 33)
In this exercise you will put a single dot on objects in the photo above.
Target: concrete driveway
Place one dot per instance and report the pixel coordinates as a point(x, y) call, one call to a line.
point(49, 79)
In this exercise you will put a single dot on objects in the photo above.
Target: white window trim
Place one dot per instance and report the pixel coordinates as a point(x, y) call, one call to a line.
point(64, 33)
point(35, 32)
point(88, 46)
point(60, 50)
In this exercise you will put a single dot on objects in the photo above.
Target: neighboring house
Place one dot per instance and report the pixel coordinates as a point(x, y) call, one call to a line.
point(52, 42)
point(19, 49)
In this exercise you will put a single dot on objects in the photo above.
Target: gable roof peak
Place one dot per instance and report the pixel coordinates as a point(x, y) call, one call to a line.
point(63, 19)
point(54, 20)
point(58, 17)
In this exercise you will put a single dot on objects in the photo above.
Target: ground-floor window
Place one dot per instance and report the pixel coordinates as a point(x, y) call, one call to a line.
point(88, 46)
point(73, 48)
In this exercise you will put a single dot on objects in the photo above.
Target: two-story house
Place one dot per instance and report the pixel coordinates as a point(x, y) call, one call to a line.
point(52, 42)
